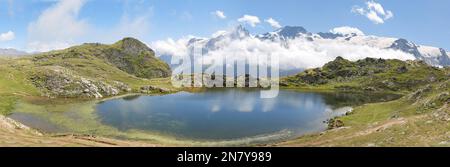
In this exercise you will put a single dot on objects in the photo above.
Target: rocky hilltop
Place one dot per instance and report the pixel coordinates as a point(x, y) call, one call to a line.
point(369, 75)
point(90, 70)
point(129, 55)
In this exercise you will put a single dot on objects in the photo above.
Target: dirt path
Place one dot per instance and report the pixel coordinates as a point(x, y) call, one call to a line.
point(367, 131)
point(15, 134)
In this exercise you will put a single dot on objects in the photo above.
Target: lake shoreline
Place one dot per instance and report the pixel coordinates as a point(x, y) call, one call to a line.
point(139, 141)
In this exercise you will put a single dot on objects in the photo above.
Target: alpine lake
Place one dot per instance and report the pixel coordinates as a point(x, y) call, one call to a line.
point(213, 117)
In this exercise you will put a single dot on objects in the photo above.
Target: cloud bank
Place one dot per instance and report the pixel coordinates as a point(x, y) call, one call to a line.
point(299, 53)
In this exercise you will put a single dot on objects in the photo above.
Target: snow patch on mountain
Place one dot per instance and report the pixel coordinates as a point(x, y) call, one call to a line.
point(429, 51)
point(346, 31)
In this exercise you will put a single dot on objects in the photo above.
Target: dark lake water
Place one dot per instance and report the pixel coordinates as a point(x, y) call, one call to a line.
point(224, 114)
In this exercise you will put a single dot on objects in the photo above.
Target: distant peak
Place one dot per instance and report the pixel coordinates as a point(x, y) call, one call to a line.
point(296, 29)
point(132, 45)
point(339, 58)
point(404, 45)
point(241, 28)
point(130, 40)
point(239, 32)
point(291, 31)
point(11, 52)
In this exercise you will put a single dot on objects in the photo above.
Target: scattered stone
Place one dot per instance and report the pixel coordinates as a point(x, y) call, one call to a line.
point(153, 89)
point(402, 69)
point(371, 89)
point(395, 116)
point(419, 93)
point(86, 91)
point(122, 86)
point(371, 145)
point(335, 123)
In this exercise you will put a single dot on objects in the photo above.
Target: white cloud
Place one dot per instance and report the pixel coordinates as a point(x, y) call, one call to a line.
point(250, 20)
point(218, 33)
point(345, 30)
point(299, 53)
point(219, 14)
point(171, 47)
point(374, 12)
point(273, 23)
point(7, 36)
point(58, 26)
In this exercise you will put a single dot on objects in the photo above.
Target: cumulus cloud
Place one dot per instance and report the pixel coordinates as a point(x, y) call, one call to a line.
point(273, 23)
point(299, 53)
point(345, 30)
point(7, 36)
point(219, 14)
point(178, 48)
point(250, 20)
point(374, 12)
point(58, 26)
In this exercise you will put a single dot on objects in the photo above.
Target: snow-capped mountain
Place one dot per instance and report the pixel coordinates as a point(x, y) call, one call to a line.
point(431, 55)
point(299, 49)
point(238, 33)
point(12, 52)
point(285, 33)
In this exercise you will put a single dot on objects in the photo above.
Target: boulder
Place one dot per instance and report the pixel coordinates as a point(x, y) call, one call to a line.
point(335, 123)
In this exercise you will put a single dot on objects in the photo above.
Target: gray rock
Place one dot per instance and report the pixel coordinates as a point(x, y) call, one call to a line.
point(153, 89)
point(60, 82)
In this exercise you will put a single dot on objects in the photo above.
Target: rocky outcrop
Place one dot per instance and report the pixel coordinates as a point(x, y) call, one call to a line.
point(154, 89)
point(60, 82)
point(369, 75)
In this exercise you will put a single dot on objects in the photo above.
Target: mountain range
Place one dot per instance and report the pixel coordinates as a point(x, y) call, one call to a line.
point(300, 49)
point(431, 55)
point(12, 52)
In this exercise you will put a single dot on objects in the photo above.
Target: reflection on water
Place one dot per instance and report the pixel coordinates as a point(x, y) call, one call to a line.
point(229, 113)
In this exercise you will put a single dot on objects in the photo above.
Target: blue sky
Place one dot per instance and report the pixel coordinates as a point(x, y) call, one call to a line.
point(47, 24)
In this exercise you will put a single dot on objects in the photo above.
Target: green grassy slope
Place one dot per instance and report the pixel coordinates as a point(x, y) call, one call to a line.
point(129, 55)
point(13, 85)
point(420, 118)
